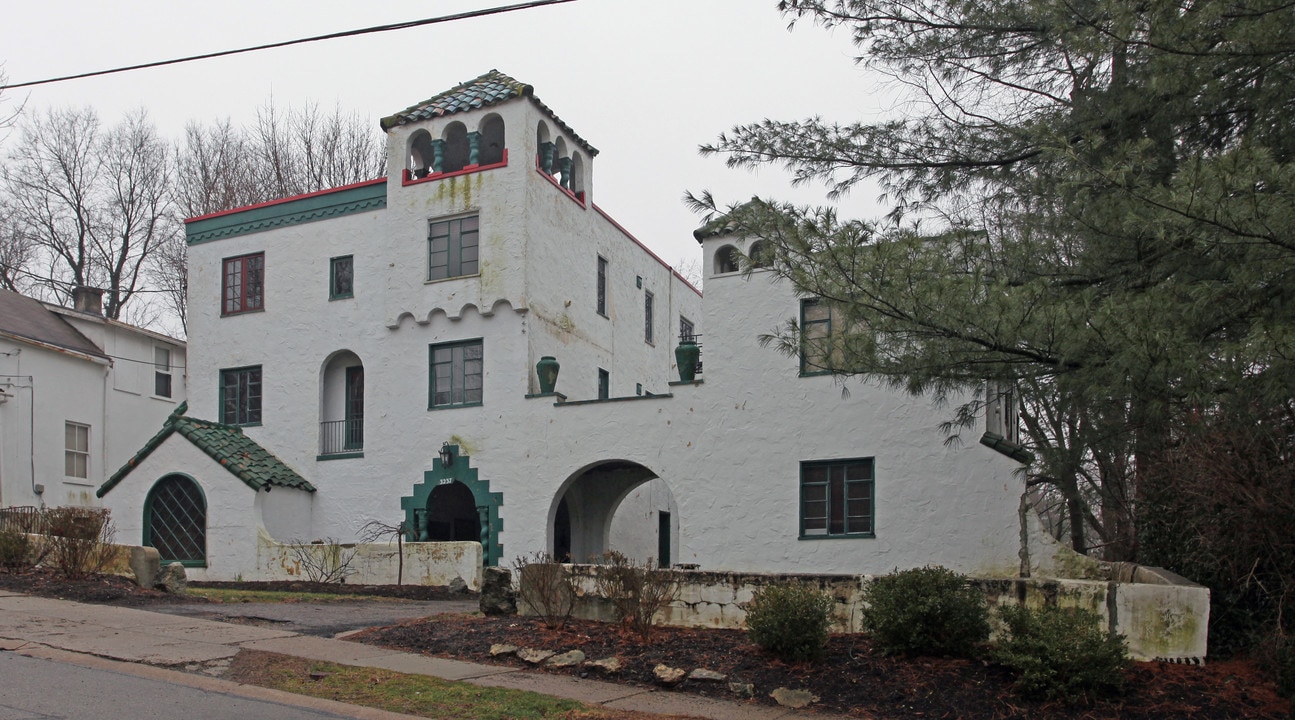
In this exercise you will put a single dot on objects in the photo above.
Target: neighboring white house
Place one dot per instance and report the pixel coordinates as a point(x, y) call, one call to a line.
point(370, 353)
point(79, 393)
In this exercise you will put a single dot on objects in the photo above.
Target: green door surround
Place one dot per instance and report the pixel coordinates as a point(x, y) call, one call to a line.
point(460, 470)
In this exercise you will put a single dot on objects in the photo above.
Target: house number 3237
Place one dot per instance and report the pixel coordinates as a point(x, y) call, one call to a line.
point(445, 481)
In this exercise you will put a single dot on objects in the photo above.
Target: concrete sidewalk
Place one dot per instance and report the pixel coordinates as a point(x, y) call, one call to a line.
point(35, 625)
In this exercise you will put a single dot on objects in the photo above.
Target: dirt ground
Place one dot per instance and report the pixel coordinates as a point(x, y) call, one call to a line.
point(853, 678)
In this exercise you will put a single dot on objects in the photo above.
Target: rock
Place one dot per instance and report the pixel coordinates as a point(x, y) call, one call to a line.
point(667, 675)
point(611, 665)
point(457, 586)
point(742, 689)
point(172, 579)
point(787, 697)
point(707, 675)
point(146, 564)
point(500, 649)
point(566, 659)
point(497, 596)
point(533, 656)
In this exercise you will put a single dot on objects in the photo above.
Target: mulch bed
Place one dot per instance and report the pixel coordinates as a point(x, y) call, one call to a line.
point(852, 679)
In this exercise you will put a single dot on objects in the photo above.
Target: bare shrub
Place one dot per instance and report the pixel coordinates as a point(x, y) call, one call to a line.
point(376, 531)
point(545, 587)
point(637, 592)
point(79, 540)
point(324, 561)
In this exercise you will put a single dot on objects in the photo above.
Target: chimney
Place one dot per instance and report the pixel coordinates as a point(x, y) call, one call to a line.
point(87, 300)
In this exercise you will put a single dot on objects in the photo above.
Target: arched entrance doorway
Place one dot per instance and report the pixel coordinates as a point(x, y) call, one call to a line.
point(452, 503)
point(452, 514)
point(616, 505)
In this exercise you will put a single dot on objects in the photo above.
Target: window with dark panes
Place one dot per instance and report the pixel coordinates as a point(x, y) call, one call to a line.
point(243, 288)
point(341, 277)
point(604, 384)
point(452, 248)
point(836, 498)
point(456, 374)
point(240, 396)
point(685, 329)
point(602, 285)
point(162, 372)
point(647, 316)
point(815, 336)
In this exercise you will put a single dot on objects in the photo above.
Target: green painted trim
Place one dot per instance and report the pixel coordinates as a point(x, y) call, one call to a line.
point(340, 456)
point(455, 407)
point(332, 278)
point(220, 394)
point(675, 383)
point(147, 538)
point(488, 503)
point(294, 211)
point(800, 499)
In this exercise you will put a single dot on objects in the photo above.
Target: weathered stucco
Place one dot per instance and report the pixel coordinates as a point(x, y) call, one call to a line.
point(374, 563)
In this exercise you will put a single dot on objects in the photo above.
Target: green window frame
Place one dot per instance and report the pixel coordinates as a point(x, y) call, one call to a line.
point(648, 301)
point(602, 286)
point(837, 499)
point(604, 384)
point(456, 373)
point(452, 247)
point(815, 337)
point(240, 395)
point(341, 277)
point(175, 520)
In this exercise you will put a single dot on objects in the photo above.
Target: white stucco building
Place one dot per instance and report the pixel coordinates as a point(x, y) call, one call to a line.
point(371, 352)
point(79, 394)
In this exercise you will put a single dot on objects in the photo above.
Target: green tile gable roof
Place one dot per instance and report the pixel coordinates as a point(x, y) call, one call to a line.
point(490, 89)
point(227, 445)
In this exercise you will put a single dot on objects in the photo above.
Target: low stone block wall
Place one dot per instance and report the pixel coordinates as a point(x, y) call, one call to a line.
point(1164, 617)
point(431, 563)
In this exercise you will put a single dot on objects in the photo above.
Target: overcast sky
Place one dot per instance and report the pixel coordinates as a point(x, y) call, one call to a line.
point(644, 81)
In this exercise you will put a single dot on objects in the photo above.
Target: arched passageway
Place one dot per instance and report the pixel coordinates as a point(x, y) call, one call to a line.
point(616, 505)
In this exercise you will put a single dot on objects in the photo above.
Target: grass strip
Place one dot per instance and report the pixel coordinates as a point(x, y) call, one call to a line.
point(225, 595)
point(396, 692)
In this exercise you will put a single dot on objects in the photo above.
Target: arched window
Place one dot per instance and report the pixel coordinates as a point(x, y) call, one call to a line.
point(341, 409)
point(492, 141)
point(577, 173)
point(562, 163)
point(420, 154)
point(456, 147)
point(760, 254)
point(544, 150)
point(175, 521)
point(726, 260)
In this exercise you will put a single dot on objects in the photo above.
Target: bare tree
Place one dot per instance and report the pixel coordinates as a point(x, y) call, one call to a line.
point(94, 204)
point(16, 251)
point(213, 170)
point(304, 150)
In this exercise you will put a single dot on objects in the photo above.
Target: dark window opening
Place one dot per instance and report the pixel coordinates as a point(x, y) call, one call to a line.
point(240, 396)
point(836, 499)
point(243, 289)
point(341, 282)
point(452, 248)
point(456, 374)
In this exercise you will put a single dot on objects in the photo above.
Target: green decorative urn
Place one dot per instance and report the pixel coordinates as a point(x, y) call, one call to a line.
point(685, 357)
point(547, 369)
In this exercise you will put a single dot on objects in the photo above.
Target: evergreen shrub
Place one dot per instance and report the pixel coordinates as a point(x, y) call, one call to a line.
point(1061, 652)
point(925, 611)
point(790, 620)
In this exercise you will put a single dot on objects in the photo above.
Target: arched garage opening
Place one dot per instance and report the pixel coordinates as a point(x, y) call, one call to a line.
point(617, 505)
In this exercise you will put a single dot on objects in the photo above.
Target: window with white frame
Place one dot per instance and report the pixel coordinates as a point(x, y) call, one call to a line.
point(837, 498)
point(76, 450)
point(452, 247)
point(161, 371)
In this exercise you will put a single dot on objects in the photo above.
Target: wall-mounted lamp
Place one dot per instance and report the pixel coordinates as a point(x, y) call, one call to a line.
point(447, 455)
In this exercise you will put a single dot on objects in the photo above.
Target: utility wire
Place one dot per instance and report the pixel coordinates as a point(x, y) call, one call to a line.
point(286, 43)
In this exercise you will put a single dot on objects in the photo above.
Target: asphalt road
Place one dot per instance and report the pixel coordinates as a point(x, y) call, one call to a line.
point(321, 619)
point(36, 689)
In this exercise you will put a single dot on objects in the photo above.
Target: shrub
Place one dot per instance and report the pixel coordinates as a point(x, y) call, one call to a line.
point(636, 592)
point(790, 620)
point(930, 610)
point(1060, 652)
point(15, 548)
point(545, 587)
point(79, 540)
point(323, 561)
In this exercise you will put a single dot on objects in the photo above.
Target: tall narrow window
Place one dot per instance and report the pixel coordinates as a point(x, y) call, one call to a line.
point(815, 336)
point(452, 248)
point(604, 384)
point(341, 277)
point(76, 453)
point(354, 439)
point(836, 498)
point(240, 396)
point(162, 371)
point(602, 285)
point(243, 289)
point(647, 316)
point(456, 374)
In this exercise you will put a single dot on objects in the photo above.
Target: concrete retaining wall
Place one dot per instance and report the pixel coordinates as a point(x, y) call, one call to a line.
point(436, 563)
point(1164, 616)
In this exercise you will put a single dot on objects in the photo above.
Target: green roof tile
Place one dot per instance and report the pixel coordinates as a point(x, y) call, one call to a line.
point(227, 445)
point(490, 89)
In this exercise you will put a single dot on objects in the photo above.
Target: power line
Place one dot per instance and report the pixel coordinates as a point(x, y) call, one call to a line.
point(330, 36)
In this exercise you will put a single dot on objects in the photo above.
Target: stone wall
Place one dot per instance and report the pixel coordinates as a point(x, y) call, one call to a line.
point(429, 563)
point(1162, 615)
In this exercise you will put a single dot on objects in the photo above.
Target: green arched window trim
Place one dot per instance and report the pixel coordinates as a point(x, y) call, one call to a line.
point(148, 519)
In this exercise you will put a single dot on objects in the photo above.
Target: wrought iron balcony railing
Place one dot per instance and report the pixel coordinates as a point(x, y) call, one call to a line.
point(341, 436)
